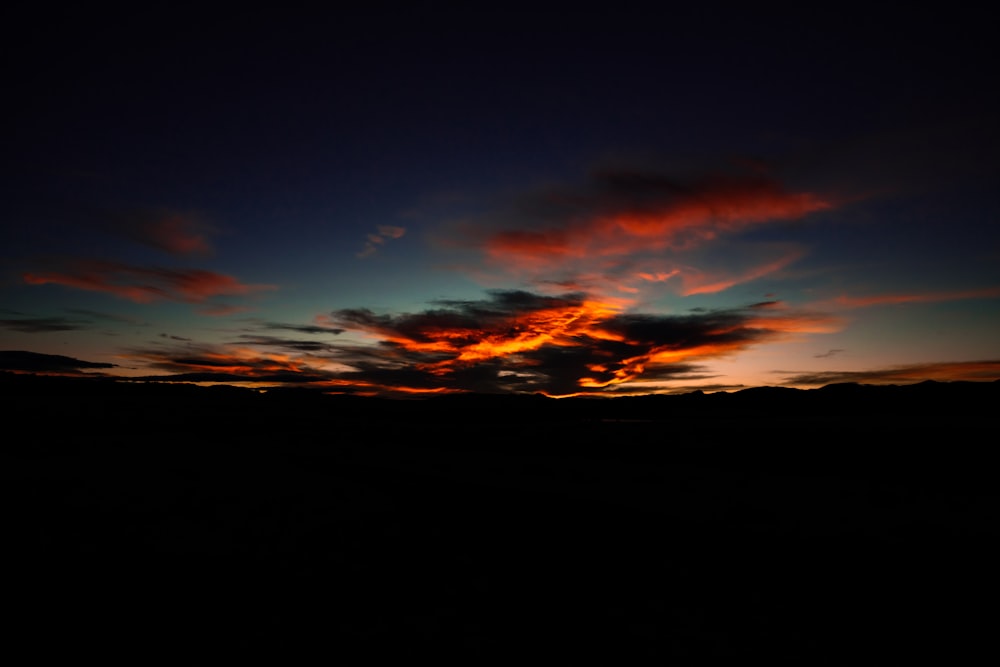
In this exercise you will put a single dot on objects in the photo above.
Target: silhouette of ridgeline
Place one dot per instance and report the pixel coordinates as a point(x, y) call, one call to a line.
point(84, 397)
point(797, 525)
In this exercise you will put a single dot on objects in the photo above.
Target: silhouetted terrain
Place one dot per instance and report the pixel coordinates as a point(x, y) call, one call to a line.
point(830, 526)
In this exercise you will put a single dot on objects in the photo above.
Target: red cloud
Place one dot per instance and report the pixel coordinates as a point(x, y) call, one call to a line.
point(674, 222)
point(561, 345)
point(144, 285)
point(612, 227)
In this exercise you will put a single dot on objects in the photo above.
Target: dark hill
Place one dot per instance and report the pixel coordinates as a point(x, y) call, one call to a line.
point(800, 527)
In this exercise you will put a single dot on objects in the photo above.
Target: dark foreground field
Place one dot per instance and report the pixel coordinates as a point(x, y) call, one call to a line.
point(848, 525)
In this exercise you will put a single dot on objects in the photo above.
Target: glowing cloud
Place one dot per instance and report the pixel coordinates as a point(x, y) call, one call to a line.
point(621, 214)
point(558, 345)
point(626, 231)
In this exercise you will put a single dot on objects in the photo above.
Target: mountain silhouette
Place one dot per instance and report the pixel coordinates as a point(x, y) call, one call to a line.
point(798, 525)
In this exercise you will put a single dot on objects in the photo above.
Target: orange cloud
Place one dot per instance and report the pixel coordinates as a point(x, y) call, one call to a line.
point(558, 345)
point(512, 341)
point(617, 225)
point(635, 224)
point(222, 362)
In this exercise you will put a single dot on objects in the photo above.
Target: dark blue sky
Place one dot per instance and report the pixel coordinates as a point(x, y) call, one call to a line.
point(504, 199)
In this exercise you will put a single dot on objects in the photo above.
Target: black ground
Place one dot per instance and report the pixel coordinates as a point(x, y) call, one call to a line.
point(848, 525)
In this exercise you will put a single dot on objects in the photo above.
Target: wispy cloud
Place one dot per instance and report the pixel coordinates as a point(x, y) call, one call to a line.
point(173, 232)
point(972, 371)
point(145, 285)
point(293, 344)
point(698, 282)
point(638, 225)
point(318, 329)
point(43, 324)
point(912, 297)
point(107, 317)
point(385, 232)
point(223, 363)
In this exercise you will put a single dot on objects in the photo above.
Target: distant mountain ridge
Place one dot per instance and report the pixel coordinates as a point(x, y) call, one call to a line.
point(923, 398)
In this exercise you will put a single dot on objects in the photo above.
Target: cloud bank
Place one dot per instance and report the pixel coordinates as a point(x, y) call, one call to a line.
point(510, 341)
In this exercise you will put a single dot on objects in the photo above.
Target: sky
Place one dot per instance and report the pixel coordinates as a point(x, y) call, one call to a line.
point(410, 201)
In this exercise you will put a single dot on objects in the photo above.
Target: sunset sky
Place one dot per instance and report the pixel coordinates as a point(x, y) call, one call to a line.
point(394, 202)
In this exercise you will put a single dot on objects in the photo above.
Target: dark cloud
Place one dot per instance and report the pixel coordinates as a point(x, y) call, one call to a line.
point(108, 317)
point(173, 232)
point(520, 341)
point(285, 343)
point(194, 363)
point(34, 362)
point(302, 328)
point(974, 371)
point(43, 324)
point(510, 341)
point(231, 378)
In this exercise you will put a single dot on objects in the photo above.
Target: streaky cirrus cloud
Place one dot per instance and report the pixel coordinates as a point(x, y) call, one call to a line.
point(223, 363)
point(107, 317)
point(301, 328)
point(43, 324)
point(694, 281)
point(970, 371)
point(146, 285)
point(620, 216)
point(916, 297)
point(294, 344)
point(385, 232)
